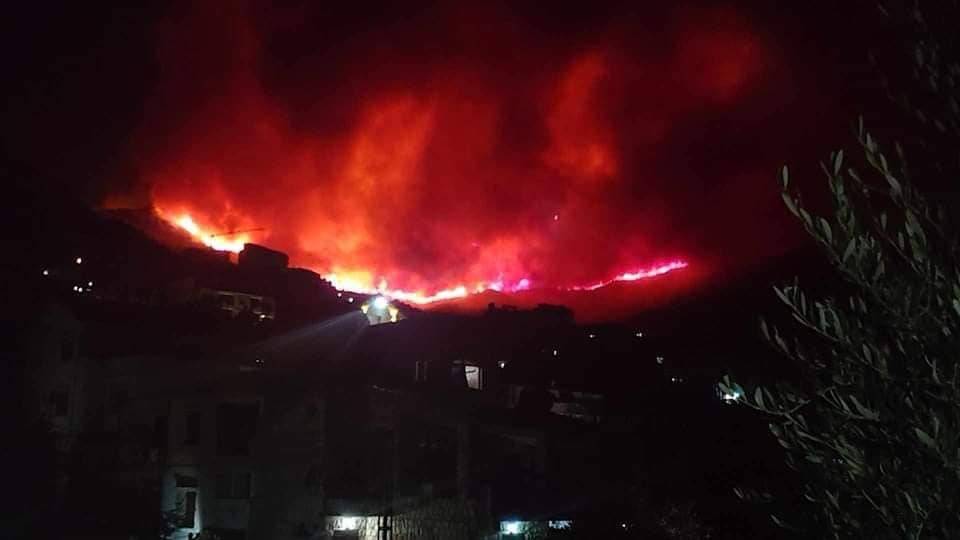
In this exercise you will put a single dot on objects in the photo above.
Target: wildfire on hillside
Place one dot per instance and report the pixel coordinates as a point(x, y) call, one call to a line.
point(453, 163)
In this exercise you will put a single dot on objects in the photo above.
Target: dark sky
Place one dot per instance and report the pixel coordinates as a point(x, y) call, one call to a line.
point(433, 144)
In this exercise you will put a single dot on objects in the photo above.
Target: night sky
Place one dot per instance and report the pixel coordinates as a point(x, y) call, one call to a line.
point(431, 145)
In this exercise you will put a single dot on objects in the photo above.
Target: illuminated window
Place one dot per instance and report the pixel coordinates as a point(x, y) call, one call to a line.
point(560, 524)
point(474, 377)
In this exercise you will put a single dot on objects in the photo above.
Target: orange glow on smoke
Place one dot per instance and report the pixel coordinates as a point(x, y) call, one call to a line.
point(430, 178)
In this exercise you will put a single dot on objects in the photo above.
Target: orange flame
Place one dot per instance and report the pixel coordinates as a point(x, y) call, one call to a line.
point(362, 282)
point(227, 242)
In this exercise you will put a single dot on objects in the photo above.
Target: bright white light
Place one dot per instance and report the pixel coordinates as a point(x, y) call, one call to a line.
point(89, 284)
point(380, 303)
point(560, 524)
point(592, 336)
point(350, 299)
point(660, 360)
point(347, 523)
point(730, 397)
point(46, 272)
point(339, 295)
point(502, 364)
point(79, 260)
point(556, 352)
point(556, 217)
point(512, 527)
point(639, 334)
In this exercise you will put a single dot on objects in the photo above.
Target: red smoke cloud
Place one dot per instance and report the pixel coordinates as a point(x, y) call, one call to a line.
point(446, 148)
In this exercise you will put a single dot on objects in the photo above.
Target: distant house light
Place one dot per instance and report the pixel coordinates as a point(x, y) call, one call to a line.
point(556, 352)
point(89, 284)
point(639, 334)
point(512, 527)
point(502, 364)
point(346, 523)
point(79, 260)
point(474, 376)
point(731, 397)
point(592, 336)
point(46, 272)
point(660, 360)
point(350, 299)
point(339, 295)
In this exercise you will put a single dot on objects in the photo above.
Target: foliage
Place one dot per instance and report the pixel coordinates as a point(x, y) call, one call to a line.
point(935, 63)
point(873, 421)
point(874, 426)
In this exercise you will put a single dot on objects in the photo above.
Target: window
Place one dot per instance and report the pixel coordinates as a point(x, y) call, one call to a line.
point(235, 485)
point(191, 434)
point(474, 377)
